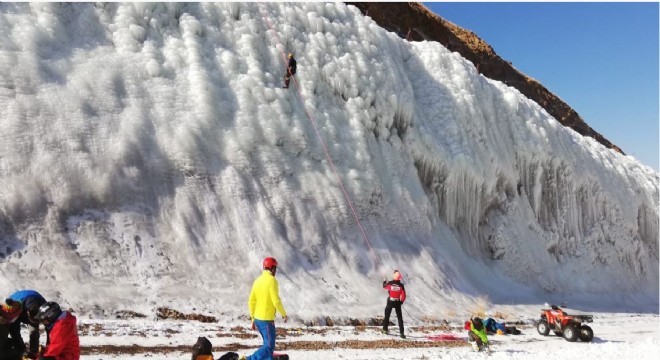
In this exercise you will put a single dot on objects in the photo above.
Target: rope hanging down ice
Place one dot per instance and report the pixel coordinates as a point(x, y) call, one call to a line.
point(375, 258)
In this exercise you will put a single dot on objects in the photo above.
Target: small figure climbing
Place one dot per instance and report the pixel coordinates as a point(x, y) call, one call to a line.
point(290, 71)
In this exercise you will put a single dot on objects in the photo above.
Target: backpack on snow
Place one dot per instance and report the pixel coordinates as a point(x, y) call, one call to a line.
point(491, 325)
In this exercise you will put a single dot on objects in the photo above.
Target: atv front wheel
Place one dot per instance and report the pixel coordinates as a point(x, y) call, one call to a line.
point(543, 328)
point(586, 334)
point(570, 333)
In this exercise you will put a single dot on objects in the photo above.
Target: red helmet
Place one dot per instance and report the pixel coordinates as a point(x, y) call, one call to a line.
point(270, 263)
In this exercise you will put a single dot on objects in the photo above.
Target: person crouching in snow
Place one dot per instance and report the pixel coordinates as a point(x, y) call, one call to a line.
point(202, 350)
point(10, 349)
point(62, 341)
point(397, 295)
point(31, 301)
point(290, 71)
point(477, 334)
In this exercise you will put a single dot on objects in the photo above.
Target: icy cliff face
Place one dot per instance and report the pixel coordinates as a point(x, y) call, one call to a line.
point(516, 185)
point(150, 157)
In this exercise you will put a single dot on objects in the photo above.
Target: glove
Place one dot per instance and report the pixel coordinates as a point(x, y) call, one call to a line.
point(253, 327)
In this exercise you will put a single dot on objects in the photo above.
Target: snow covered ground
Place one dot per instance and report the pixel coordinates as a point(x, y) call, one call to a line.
point(149, 157)
point(617, 336)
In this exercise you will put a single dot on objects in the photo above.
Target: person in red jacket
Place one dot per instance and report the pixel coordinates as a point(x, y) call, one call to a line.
point(397, 295)
point(62, 333)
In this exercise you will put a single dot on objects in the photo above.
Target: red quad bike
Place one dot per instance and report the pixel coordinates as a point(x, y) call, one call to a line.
point(568, 326)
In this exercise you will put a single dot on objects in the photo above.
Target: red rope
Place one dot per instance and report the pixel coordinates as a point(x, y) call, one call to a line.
point(325, 149)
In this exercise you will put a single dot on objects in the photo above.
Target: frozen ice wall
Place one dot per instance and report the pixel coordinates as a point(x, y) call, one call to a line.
point(149, 157)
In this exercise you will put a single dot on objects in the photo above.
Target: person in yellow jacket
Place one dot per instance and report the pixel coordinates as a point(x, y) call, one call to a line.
point(264, 302)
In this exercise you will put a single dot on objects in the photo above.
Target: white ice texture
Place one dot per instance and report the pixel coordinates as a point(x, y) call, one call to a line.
point(149, 157)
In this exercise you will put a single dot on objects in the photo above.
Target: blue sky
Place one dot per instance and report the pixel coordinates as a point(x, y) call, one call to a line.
point(600, 58)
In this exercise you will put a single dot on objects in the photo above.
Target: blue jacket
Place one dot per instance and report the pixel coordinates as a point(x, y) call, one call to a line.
point(21, 295)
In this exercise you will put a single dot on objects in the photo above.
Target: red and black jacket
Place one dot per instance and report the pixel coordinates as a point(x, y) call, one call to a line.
point(395, 289)
point(63, 342)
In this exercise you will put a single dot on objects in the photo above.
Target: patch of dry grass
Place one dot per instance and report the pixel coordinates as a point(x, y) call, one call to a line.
point(480, 306)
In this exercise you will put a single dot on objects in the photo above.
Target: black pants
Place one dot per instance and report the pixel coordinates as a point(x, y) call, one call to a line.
point(8, 350)
point(396, 305)
point(15, 332)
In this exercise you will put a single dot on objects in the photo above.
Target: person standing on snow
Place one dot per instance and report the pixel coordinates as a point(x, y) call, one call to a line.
point(397, 295)
point(31, 301)
point(61, 333)
point(290, 71)
point(263, 303)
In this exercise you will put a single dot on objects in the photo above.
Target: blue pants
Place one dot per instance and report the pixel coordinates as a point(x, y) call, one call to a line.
point(267, 331)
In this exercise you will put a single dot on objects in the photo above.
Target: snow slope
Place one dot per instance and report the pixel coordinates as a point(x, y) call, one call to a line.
point(149, 157)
